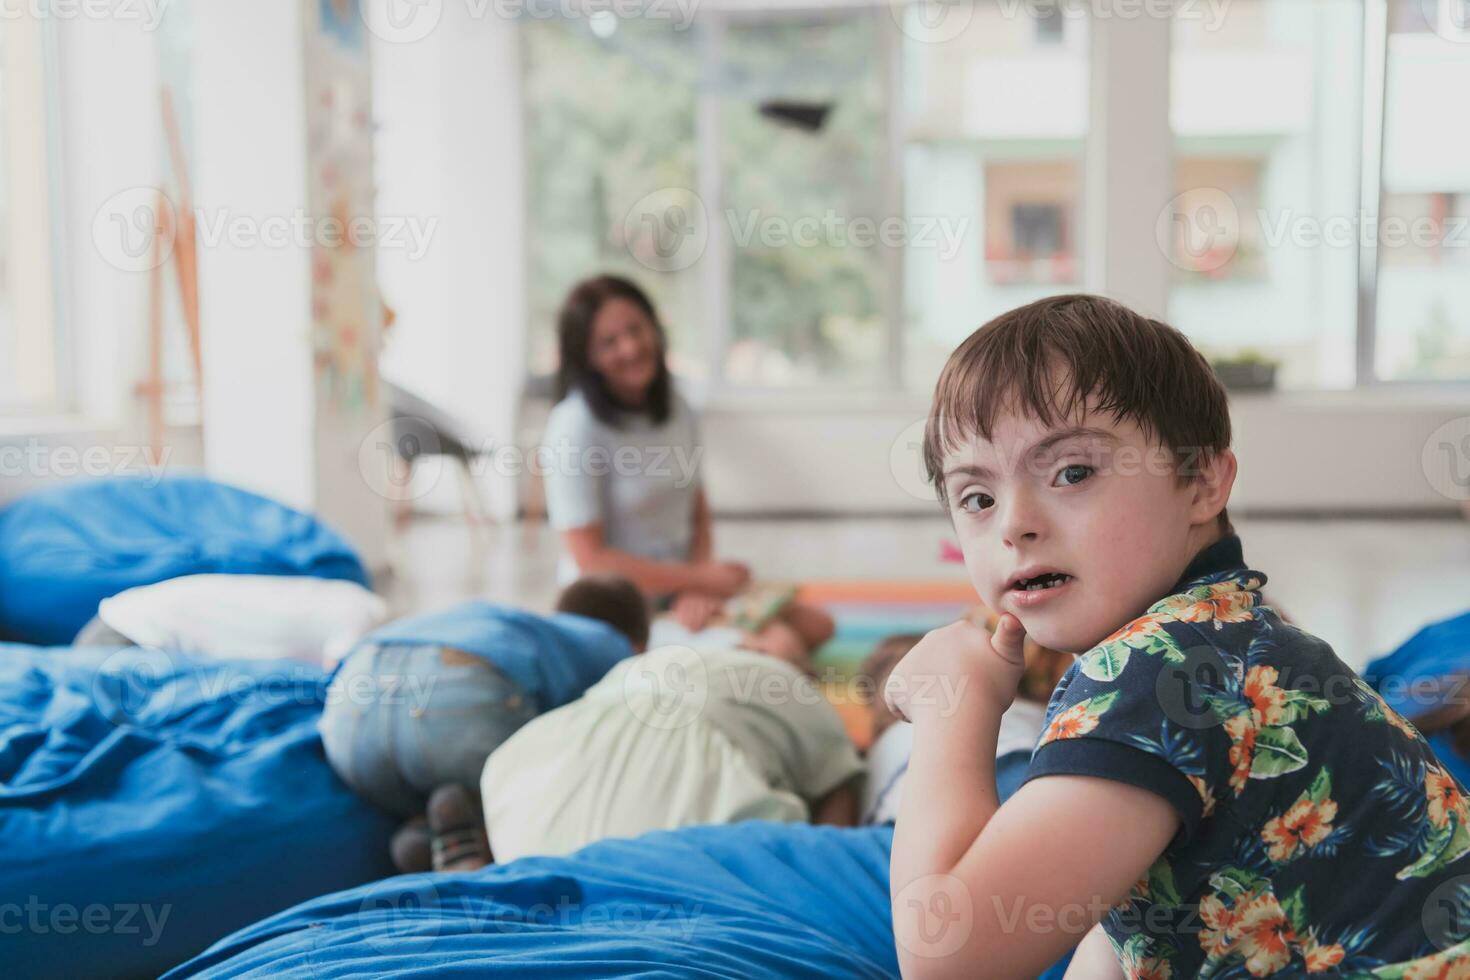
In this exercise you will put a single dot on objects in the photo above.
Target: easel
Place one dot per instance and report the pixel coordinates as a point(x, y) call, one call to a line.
point(171, 224)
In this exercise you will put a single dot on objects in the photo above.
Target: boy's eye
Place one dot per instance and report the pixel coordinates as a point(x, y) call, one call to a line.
point(1072, 475)
point(974, 502)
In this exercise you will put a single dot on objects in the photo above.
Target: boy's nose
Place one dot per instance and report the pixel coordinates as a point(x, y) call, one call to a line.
point(1022, 523)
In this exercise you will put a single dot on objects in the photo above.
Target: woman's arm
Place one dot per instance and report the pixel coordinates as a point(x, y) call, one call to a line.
point(589, 550)
point(702, 546)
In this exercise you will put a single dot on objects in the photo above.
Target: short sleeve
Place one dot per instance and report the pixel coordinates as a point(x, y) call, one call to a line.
point(574, 495)
point(1125, 711)
point(825, 756)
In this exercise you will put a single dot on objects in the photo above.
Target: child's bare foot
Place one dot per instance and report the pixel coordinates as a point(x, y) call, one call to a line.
point(410, 847)
point(458, 829)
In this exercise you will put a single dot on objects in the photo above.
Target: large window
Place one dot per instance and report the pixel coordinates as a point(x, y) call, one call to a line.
point(30, 351)
point(837, 197)
point(1266, 166)
point(995, 120)
point(1423, 283)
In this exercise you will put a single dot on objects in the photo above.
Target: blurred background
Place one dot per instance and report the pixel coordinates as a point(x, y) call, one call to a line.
point(246, 237)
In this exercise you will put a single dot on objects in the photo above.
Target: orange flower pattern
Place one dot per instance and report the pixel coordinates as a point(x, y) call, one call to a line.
point(1305, 780)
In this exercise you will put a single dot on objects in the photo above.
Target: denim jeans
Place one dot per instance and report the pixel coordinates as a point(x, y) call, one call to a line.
point(401, 720)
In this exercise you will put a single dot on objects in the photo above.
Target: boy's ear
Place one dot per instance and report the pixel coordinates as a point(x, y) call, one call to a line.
point(1212, 485)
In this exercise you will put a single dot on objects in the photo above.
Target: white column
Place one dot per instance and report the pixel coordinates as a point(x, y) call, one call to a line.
point(451, 154)
point(273, 419)
point(1129, 161)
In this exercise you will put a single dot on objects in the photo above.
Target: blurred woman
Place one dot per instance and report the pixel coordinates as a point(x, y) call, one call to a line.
point(623, 469)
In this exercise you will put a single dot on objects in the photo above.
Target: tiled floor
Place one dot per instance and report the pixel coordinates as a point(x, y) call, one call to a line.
point(1364, 586)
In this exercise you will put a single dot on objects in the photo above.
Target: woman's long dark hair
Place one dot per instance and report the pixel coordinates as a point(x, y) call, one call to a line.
point(574, 338)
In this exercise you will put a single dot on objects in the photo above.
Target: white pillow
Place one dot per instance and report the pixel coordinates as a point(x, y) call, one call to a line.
point(252, 616)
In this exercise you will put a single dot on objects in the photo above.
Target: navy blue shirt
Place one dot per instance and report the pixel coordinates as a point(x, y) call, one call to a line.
point(552, 658)
point(1319, 834)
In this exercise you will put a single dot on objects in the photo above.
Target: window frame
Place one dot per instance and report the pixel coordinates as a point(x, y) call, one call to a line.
point(716, 267)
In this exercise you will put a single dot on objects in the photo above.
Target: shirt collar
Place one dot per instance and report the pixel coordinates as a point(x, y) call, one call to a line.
point(1223, 556)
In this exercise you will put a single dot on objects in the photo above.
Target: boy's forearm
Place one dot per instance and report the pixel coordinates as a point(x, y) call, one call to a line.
point(949, 792)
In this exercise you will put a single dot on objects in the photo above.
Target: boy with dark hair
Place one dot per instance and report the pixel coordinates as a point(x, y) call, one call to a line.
point(1216, 793)
point(417, 707)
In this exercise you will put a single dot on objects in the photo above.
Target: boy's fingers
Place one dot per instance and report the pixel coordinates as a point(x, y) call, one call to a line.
point(1009, 639)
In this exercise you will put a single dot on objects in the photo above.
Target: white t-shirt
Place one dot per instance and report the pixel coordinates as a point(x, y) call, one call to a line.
point(669, 738)
point(639, 482)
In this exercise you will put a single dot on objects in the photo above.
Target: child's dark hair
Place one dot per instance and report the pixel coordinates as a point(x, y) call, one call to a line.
point(613, 600)
point(875, 670)
point(574, 341)
point(1106, 357)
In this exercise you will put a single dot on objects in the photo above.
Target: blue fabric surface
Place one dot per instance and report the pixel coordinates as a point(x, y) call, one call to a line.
point(65, 549)
point(152, 803)
point(1421, 675)
point(749, 900)
point(754, 899)
point(552, 658)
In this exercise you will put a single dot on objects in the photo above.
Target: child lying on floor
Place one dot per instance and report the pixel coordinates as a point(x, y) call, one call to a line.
point(418, 706)
point(1216, 793)
point(675, 738)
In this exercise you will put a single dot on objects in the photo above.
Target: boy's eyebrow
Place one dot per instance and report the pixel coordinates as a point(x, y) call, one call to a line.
point(1061, 435)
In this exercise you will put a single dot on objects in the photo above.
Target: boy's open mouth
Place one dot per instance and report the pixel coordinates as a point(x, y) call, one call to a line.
point(1038, 583)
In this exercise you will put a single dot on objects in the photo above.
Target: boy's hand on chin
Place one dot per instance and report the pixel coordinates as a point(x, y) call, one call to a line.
point(958, 661)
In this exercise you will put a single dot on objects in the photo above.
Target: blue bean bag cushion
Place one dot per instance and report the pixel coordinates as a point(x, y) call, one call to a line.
point(152, 802)
point(65, 549)
point(1425, 674)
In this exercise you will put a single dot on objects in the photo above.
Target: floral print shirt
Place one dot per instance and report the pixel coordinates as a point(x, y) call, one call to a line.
point(1319, 833)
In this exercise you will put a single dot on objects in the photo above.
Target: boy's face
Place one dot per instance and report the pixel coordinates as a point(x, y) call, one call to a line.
point(1093, 499)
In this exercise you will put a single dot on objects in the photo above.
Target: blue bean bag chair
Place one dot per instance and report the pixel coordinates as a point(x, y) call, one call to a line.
point(65, 549)
point(151, 803)
point(1425, 675)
